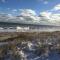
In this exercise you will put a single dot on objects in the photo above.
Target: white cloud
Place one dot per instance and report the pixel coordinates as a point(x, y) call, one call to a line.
point(30, 16)
point(52, 15)
point(27, 12)
point(45, 2)
point(26, 16)
point(10, 15)
point(46, 14)
point(3, 1)
point(57, 7)
point(8, 8)
point(14, 10)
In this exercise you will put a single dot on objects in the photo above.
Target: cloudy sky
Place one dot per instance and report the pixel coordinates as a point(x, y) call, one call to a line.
point(45, 12)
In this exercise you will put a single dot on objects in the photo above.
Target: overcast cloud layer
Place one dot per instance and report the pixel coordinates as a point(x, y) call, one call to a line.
point(49, 17)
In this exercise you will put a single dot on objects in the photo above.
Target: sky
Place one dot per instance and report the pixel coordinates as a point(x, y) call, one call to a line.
point(45, 12)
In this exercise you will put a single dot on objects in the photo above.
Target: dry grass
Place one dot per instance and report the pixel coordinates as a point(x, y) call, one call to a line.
point(28, 35)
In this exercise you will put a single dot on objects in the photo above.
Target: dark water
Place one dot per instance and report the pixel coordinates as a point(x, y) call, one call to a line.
point(32, 54)
point(53, 55)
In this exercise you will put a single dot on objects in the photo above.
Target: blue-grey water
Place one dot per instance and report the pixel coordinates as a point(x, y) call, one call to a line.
point(51, 56)
point(27, 54)
point(29, 30)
